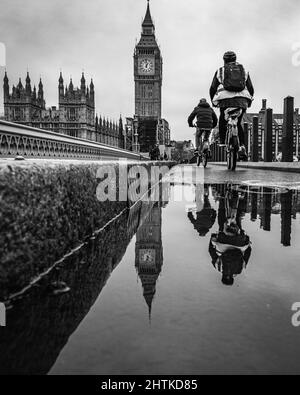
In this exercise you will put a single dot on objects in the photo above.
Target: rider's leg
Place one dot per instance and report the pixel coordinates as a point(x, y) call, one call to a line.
point(197, 142)
point(222, 126)
point(206, 139)
point(241, 129)
point(200, 147)
point(243, 154)
point(207, 135)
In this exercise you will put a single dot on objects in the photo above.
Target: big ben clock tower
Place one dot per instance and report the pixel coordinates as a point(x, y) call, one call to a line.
point(149, 252)
point(148, 84)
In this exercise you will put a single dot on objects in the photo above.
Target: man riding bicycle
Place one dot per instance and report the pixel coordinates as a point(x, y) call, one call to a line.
point(205, 215)
point(232, 89)
point(206, 121)
point(230, 248)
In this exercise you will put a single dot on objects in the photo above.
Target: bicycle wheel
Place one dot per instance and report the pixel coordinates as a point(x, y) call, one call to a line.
point(229, 159)
point(198, 160)
point(233, 160)
point(204, 160)
point(232, 154)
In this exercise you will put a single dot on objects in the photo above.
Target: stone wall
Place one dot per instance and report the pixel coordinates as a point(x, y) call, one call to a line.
point(47, 208)
point(40, 324)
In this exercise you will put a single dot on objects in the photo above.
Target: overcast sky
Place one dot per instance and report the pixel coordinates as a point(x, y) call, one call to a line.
point(98, 36)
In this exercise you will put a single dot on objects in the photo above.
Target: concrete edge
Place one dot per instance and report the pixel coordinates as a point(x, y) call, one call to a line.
point(261, 167)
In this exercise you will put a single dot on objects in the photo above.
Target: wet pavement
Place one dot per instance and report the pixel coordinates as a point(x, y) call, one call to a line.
point(201, 282)
point(219, 174)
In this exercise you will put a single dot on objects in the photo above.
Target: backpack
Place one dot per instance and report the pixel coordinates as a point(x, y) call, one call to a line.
point(234, 77)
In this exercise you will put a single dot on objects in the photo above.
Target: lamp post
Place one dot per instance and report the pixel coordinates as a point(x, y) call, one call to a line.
point(297, 141)
point(136, 145)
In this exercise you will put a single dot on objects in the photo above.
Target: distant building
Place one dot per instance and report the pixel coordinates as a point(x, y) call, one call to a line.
point(182, 151)
point(163, 132)
point(75, 115)
point(148, 66)
point(277, 130)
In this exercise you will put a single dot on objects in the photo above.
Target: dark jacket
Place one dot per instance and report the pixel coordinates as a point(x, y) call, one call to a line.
point(234, 102)
point(206, 117)
point(205, 220)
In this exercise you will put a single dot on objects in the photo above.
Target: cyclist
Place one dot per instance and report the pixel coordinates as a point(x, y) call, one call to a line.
point(231, 88)
point(205, 214)
point(206, 121)
point(230, 248)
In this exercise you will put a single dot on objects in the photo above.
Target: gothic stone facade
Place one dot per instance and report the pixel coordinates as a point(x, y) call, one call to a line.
point(74, 117)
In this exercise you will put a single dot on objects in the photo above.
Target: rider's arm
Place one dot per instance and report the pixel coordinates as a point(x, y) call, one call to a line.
point(213, 253)
point(191, 217)
point(250, 86)
point(191, 118)
point(247, 255)
point(214, 86)
point(215, 119)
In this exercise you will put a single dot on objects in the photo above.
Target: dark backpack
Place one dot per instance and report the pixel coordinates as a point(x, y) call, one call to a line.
point(234, 77)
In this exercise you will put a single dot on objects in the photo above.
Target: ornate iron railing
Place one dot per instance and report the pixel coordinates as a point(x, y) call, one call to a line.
point(21, 140)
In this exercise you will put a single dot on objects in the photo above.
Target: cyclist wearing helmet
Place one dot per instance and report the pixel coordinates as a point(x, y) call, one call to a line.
point(205, 215)
point(206, 120)
point(230, 248)
point(232, 88)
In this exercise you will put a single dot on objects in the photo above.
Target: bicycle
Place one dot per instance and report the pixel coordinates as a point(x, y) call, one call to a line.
point(203, 149)
point(232, 137)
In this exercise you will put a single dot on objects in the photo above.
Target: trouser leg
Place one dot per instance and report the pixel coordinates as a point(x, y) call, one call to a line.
point(206, 136)
point(198, 135)
point(241, 129)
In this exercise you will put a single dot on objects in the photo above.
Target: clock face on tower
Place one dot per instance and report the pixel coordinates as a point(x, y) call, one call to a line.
point(146, 66)
point(147, 256)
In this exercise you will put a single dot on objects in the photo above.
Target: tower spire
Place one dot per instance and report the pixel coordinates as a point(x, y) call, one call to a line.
point(148, 25)
point(5, 86)
point(60, 86)
point(83, 85)
point(28, 84)
point(41, 90)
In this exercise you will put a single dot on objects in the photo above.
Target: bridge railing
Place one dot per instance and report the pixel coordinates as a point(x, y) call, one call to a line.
point(29, 142)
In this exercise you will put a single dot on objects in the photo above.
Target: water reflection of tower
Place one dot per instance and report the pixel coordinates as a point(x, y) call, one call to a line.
point(149, 254)
point(286, 218)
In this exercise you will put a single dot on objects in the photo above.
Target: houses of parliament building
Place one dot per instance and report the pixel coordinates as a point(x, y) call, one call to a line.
point(75, 115)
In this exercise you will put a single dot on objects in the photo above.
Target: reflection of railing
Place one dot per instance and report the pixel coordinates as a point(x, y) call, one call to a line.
point(265, 202)
point(30, 142)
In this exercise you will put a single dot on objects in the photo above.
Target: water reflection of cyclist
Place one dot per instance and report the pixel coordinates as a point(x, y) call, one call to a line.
point(205, 214)
point(230, 248)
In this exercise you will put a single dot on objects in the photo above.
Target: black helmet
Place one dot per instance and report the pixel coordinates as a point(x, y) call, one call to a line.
point(228, 280)
point(229, 57)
